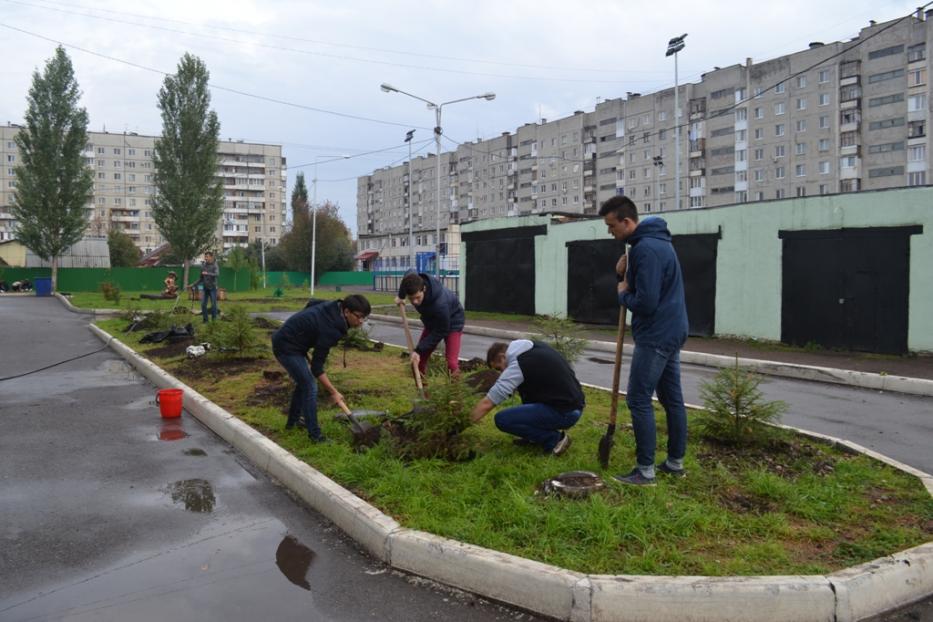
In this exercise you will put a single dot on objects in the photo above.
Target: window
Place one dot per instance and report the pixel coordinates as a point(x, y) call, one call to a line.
point(759, 92)
point(849, 185)
point(759, 113)
point(779, 151)
point(894, 49)
point(759, 133)
point(886, 99)
point(886, 147)
point(801, 125)
point(824, 167)
point(116, 151)
point(824, 189)
point(916, 52)
point(741, 155)
point(101, 150)
point(101, 175)
point(779, 129)
point(801, 191)
point(823, 76)
point(917, 153)
point(779, 172)
point(131, 152)
point(779, 88)
point(801, 82)
point(848, 162)
point(800, 148)
point(759, 196)
point(917, 77)
point(662, 134)
point(759, 174)
point(823, 144)
point(885, 75)
point(824, 99)
point(779, 108)
point(886, 123)
point(888, 171)
point(116, 175)
point(741, 136)
point(800, 170)
point(741, 175)
point(801, 103)
point(916, 103)
point(662, 116)
point(824, 122)
point(779, 193)
point(741, 114)
point(916, 129)
point(759, 154)
point(917, 179)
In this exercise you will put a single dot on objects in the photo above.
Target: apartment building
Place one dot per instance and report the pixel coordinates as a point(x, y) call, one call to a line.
point(834, 118)
point(254, 181)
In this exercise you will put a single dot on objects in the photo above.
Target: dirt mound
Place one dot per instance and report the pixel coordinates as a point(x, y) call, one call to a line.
point(264, 322)
point(473, 364)
point(483, 380)
point(169, 350)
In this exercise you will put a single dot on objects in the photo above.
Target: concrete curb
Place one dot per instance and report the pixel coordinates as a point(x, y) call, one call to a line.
point(74, 309)
point(848, 377)
point(851, 594)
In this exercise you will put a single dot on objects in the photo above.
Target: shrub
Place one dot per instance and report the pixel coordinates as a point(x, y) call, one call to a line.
point(433, 428)
point(235, 333)
point(111, 291)
point(561, 334)
point(737, 412)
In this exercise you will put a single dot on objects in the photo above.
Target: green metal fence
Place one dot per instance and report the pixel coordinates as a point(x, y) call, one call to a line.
point(128, 279)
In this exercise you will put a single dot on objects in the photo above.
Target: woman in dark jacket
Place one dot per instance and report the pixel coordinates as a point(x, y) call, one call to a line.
point(441, 314)
point(318, 327)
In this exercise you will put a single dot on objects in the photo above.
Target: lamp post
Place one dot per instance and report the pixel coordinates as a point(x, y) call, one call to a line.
point(388, 88)
point(314, 213)
point(411, 237)
point(673, 46)
point(658, 162)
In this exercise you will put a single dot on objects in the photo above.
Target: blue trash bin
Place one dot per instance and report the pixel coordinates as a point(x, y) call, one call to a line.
point(43, 285)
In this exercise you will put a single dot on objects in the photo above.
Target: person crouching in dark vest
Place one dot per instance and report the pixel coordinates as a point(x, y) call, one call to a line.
point(552, 399)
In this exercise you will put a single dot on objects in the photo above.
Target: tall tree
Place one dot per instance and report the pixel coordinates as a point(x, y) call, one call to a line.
point(123, 250)
point(53, 185)
point(334, 249)
point(299, 194)
point(190, 198)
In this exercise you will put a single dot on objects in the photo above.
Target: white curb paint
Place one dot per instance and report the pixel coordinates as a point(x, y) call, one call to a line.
point(528, 584)
point(851, 594)
point(848, 377)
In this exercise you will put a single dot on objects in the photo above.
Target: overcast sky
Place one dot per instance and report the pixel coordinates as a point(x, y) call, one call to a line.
point(545, 58)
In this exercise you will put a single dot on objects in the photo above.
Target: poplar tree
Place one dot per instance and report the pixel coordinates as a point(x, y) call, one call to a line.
point(189, 198)
point(53, 184)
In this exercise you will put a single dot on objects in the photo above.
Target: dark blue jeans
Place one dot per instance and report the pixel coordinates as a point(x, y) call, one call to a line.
point(304, 398)
point(212, 294)
point(656, 369)
point(538, 423)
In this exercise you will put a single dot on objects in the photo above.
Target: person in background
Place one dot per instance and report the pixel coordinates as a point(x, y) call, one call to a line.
point(171, 286)
point(552, 399)
point(441, 314)
point(210, 272)
point(317, 327)
point(651, 286)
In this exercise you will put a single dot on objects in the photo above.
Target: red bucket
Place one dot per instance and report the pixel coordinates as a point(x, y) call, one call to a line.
point(170, 401)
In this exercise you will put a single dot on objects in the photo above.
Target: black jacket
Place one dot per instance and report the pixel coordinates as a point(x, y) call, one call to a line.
point(320, 327)
point(549, 379)
point(441, 313)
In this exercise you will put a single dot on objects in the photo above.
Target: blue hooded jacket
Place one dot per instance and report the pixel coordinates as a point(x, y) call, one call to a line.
point(655, 293)
point(441, 313)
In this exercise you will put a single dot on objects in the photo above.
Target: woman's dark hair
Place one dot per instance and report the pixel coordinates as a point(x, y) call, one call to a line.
point(412, 283)
point(357, 303)
point(494, 351)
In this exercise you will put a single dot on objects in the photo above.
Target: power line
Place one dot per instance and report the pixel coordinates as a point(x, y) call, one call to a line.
point(281, 48)
point(213, 85)
point(390, 164)
point(358, 155)
point(343, 45)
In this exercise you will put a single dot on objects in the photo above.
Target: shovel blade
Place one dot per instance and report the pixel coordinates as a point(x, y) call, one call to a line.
point(605, 446)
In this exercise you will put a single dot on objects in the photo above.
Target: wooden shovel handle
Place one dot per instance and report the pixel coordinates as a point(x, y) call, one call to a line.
point(617, 369)
point(344, 408)
point(411, 349)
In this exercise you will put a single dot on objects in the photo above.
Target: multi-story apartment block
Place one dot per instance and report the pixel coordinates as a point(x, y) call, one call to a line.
point(253, 179)
point(840, 117)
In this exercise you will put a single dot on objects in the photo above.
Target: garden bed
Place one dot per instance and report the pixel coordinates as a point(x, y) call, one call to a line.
point(797, 507)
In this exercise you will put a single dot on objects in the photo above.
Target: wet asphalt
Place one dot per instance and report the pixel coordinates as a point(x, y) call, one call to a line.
point(109, 512)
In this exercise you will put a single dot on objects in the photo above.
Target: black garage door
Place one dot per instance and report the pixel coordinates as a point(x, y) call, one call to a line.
point(847, 288)
point(500, 270)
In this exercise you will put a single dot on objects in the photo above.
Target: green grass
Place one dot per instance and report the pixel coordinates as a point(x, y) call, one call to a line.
point(731, 515)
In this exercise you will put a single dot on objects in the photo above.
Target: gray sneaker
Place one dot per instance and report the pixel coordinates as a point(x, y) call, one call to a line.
point(635, 478)
point(664, 467)
point(561, 445)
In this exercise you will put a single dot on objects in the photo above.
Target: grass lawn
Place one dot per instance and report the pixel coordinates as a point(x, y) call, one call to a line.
point(255, 301)
point(797, 508)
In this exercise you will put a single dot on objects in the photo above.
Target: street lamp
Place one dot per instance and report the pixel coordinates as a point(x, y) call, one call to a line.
point(388, 88)
point(411, 238)
point(658, 163)
point(314, 212)
point(673, 46)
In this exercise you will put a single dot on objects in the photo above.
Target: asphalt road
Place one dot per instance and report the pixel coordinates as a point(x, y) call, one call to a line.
point(899, 426)
point(107, 512)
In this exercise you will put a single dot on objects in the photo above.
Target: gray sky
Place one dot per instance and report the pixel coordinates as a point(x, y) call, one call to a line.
point(544, 58)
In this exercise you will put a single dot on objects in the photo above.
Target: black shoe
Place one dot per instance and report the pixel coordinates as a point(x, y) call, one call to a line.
point(562, 445)
point(318, 438)
point(635, 478)
point(664, 467)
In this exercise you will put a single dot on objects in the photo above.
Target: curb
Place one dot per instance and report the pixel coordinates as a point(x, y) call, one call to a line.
point(848, 377)
point(848, 595)
point(95, 312)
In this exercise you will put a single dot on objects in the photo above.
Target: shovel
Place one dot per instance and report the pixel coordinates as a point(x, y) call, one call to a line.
point(411, 349)
point(607, 441)
point(365, 434)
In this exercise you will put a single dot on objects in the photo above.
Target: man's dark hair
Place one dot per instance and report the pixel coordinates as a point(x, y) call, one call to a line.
point(412, 283)
point(208, 254)
point(621, 206)
point(357, 303)
point(495, 350)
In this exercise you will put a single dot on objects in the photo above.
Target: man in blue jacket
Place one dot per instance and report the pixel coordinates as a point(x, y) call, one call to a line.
point(441, 314)
point(651, 287)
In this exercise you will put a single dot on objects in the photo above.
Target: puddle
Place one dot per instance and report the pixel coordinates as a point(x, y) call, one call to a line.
point(294, 559)
point(196, 451)
point(596, 359)
point(110, 373)
point(197, 495)
point(172, 430)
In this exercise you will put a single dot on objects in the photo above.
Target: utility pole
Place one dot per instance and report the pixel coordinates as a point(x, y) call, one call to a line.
point(673, 46)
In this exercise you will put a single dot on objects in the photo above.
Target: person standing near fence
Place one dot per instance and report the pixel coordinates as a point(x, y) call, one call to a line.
point(441, 314)
point(210, 272)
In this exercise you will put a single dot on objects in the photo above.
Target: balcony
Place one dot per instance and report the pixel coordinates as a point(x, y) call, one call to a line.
point(697, 147)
